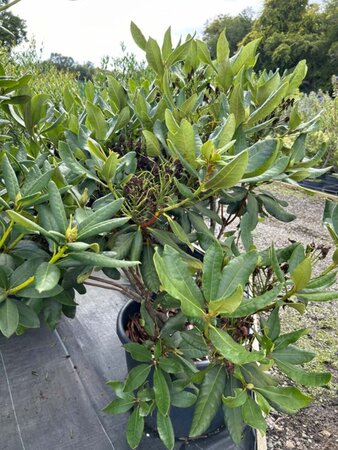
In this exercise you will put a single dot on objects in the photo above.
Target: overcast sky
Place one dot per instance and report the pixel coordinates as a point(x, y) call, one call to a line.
point(87, 30)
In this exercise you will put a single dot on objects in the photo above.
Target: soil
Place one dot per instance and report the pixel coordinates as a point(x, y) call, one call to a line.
point(316, 426)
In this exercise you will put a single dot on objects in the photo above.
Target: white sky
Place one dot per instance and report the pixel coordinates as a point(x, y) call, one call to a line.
point(87, 30)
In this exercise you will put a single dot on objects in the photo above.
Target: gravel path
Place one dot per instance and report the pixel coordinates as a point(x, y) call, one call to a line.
point(316, 426)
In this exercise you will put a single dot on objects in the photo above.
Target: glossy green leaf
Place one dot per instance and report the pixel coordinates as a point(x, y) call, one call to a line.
point(57, 207)
point(228, 175)
point(275, 264)
point(301, 275)
point(252, 305)
point(237, 400)
point(252, 415)
point(228, 305)
point(161, 390)
point(153, 55)
point(47, 277)
point(222, 49)
point(138, 352)
point(184, 142)
point(303, 377)
point(208, 401)
point(262, 155)
point(236, 103)
point(27, 223)
point(274, 208)
point(10, 179)
point(27, 316)
point(96, 121)
point(246, 56)
point(9, 317)
point(177, 281)
point(179, 53)
point(135, 427)
point(103, 227)
point(148, 270)
point(153, 147)
point(212, 266)
point(138, 36)
point(256, 375)
point(285, 399)
point(319, 296)
point(183, 399)
point(165, 430)
point(120, 405)
point(99, 260)
point(136, 377)
point(227, 131)
point(269, 105)
point(237, 272)
point(293, 355)
point(231, 350)
point(234, 422)
point(289, 338)
point(108, 169)
point(178, 231)
point(106, 212)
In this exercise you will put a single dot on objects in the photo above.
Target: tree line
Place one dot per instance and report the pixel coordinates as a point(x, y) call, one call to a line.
point(290, 30)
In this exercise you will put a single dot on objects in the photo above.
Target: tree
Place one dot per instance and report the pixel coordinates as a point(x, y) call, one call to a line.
point(67, 63)
point(292, 30)
point(237, 27)
point(12, 28)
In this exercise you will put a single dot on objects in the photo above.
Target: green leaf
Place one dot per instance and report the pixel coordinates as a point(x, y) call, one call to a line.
point(120, 405)
point(26, 223)
point(103, 227)
point(106, 212)
point(246, 56)
point(96, 120)
point(183, 399)
point(47, 277)
point(138, 352)
point(178, 231)
point(275, 265)
point(289, 338)
point(252, 415)
point(234, 422)
point(319, 296)
point(177, 281)
point(167, 45)
point(236, 102)
point(223, 49)
point(273, 208)
point(153, 55)
point(153, 147)
point(136, 377)
point(208, 401)
point(27, 316)
point(237, 272)
point(238, 400)
point(10, 179)
point(273, 325)
point(227, 131)
point(269, 105)
point(297, 76)
point(285, 399)
point(99, 260)
point(230, 174)
point(179, 53)
point(252, 305)
point(231, 350)
point(108, 169)
point(135, 427)
point(293, 355)
point(226, 305)
point(261, 157)
point(161, 390)
point(184, 142)
point(301, 275)
point(9, 317)
point(138, 36)
point(303, 377)
point(256, 375)
point(72, 164)
point(192, 345)
point(212, 266)
point(57, 207)
point(96, 149)
point(165, 430)
point(148, 270)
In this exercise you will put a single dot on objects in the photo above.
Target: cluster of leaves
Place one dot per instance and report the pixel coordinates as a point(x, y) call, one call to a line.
point(209, 326)
point(176, 157)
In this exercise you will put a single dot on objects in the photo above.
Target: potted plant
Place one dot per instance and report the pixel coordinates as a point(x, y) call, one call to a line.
point(243, 134)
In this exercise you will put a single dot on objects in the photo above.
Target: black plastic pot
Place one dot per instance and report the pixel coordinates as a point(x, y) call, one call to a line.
point(181, 417)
